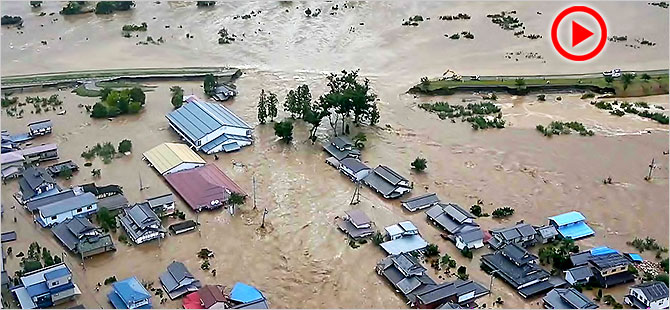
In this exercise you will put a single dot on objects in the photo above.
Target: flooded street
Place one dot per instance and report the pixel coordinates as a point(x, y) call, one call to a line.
point(301, 260)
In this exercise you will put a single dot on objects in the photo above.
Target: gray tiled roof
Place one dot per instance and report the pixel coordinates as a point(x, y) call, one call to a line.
point(419, 202)
point(570, 298)
point(69, 204)
point(654, 290)
point(609, 260)
point(161, 200)
point(38, 203)
point(114, 202)
point(580, 273)
point(389, 175)
point(342, 142)
point(517, 231)
point(35, 176)
point(354, 164)
point(517, 254)
point(378, 183)
point(472, 235)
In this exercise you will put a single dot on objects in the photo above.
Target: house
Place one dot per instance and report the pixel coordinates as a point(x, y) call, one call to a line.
point(40, 153)
point(387, 182)
point(571, 225)
point(101, 192)
point(212, 297)
point(172, 157)
point(578, 275)
point(36, 182)
point(182, 227)
point(65, 209)
point(408, 277)
point(141, 223)
point(356, 224)
point(37, 203)
point(246, 296)
point(458, 223)
point(163, 205)
point(354, 169)
point(403, 238)
point(46, 287)
point(129, 294)
point(420, 202)
point(223, 92)
point(192, 301)
point(518, 268)
point(210, 127)
point(341, 147)
point(82, 238)
point(521, 234)
point(567, 298)
point(56, 169)
point(545, 234)
point(114, 203)
point(461, 292)
point(177, 280)
point(205, 187)
point(40, 128)
point(648, 295)
point(12, 164)
point(405, 273)
point(609, 267)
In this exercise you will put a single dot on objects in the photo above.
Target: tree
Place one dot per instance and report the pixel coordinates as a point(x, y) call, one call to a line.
point(609, 79)
point(419, 164)
point(476, 210)
point(346, 97)
point(284, 130)
point(519, 82)
point(104, 93)
point(627, 79)
point(645, 77)
point(177, 96)
point(359, 140)
point(104, 7)
point(298, 102)
point(466, 252)
point(36, 4)
point(209, 84)
point(65, 173)
point(106, 220)
point(272, 105)
point(137, 95)
point(262, 107)
point(125, 146)
point(236, 199)
point(502, 212)
point(72, 7)
point(662, 278)
point(95, 173)
point(99, 110)
point(432, 250)
point(314, 115)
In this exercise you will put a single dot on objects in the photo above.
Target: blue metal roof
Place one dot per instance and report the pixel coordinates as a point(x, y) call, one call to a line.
point(197, 118)
point(567, 218)
point(37, 289)
point(576, 231)
point(602, 250)
point(635, 257)
point(130, 290)
point(245, 293)
point(58, 273)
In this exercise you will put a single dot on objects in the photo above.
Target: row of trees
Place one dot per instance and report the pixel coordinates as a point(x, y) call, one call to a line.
point(347, 100)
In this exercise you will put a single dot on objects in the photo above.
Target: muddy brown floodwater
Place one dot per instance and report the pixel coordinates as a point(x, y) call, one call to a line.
point(300, 260)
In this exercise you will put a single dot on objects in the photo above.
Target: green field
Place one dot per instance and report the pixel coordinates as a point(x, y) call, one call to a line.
point(656, 85)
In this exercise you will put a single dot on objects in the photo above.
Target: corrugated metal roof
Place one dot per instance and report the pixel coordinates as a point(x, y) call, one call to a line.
point(245, 293)
point(200, 186)
point(131, 290)
point(404, 245)
point(169, 155)
point(197, 118)
point(567, 218)
point(69, 204)
point(576, 231)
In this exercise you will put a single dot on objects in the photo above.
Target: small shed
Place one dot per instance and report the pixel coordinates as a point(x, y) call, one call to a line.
point(40, 128)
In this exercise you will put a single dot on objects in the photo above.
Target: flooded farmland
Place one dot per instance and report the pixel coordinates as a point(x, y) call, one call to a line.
point(300, 260)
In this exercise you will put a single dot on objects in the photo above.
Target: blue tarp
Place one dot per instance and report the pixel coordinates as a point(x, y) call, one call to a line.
point(567, 218)
point(404, 245)
point(635, 257)
point(602, 250)
point(245, 293)
point(576, 231)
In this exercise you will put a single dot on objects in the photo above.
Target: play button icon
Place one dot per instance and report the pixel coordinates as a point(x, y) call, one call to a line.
point(576, 43)
point(579, 33)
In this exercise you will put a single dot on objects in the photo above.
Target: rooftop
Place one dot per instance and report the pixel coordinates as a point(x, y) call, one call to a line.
point(130, 290)
point(245, 293)
point(197, 118)
point(568, 298)
point(354, 164)
point(420, 202)
point(405, 244)
point(358, 217)
point(567, 218)
point(169, 155)
point(653, 291)
point(203, 187)
point(68, 204)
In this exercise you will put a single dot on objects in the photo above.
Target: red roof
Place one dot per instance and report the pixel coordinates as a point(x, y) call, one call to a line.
point(211, 295)
point(192, 301)
point(203, 187)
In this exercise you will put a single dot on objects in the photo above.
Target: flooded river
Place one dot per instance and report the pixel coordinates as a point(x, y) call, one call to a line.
point(300, 260)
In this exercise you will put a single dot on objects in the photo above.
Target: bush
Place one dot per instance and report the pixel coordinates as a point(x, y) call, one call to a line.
point(502, 212)
point(377, 238)
point(11, 20)
point(125, 146)
point(662, 278)
point(476, 210)
point(133, 27)
point(284, 130)
point(466, 252)
point(588, 95)
point(541, 97)
point(106, 220)
point(177, 96)
point(110, 280)
point(419, 164)
point(432, 250)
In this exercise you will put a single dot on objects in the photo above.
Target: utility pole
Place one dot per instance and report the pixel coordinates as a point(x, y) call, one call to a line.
point(197, 223)
point(356, 198)
point(253, 178)
point(265, 212)
point(651, 169)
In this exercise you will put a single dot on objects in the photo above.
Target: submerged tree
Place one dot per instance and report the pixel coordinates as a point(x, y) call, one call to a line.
point(284, 130)
point(125, 146)
point(419, 164)
point(272, 105)
point(209, 84)
point(177, 96)
point(262, 107)
point(348, 97)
